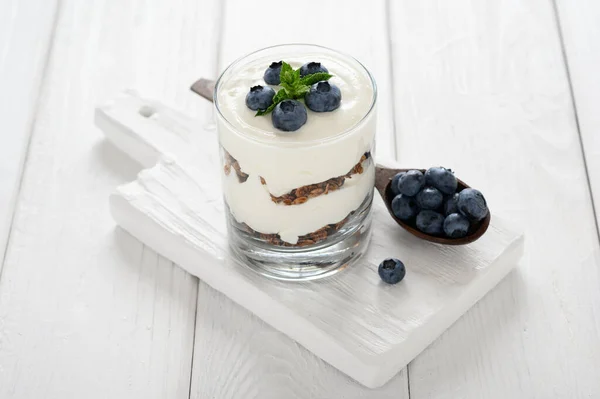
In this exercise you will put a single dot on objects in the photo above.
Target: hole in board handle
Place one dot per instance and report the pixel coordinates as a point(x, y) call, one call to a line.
point(146, 111)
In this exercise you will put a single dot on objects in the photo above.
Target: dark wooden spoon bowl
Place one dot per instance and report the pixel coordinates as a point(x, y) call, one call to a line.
point(383, 179)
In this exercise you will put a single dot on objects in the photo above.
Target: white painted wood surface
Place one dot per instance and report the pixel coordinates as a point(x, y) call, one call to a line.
point(366, 330)
point(26, 28)
point(485, 92)
point(86, 311)
point(581, 35)
point(484, 79)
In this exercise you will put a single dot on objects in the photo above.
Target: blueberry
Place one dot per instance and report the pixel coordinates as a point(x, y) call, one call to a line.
point(430, 198)
point(289, 115)
point(430, 222)
point(272, 73)
point(404, 207)
point(323, 97)
point(441, 178)
point(456, 225)
point(394, 183)
point(259, 97)
point(451, 204)
point(312, 67)
point(471, 203)
point(411, 183)
point(392, 271)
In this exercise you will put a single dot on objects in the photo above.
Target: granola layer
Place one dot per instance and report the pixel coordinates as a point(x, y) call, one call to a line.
point(304, 240)
point(302, 194)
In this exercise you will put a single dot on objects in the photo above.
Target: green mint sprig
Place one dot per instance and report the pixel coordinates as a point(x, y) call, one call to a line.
point(293, 86)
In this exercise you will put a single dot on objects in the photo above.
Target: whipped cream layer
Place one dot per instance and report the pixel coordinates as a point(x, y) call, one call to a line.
point(327, 146)
point(250, 203)
point(355, 86)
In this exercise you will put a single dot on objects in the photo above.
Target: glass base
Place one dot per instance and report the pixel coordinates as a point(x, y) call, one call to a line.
point(306, 263)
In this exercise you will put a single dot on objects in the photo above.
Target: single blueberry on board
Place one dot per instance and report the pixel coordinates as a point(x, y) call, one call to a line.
point(411, 183)
point(289, 115)
point(259, 97)
point(392, 271)
point(430, 198)
point(404, 207)
point(323, 97)
point(471, 203)
point(441, 178)
point(312, 67)
point(394, 183)
point(272, 73)
point(430, 222)
point(456, 225)
point(451, 204)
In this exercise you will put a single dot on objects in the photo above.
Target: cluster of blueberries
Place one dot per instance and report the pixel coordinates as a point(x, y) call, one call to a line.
point(290, 115)
point(432, 203)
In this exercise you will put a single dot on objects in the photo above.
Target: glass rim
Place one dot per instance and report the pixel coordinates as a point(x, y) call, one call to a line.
point(345, 132)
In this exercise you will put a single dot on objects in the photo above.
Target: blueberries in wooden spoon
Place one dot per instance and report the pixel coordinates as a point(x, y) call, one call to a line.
point(435, 205)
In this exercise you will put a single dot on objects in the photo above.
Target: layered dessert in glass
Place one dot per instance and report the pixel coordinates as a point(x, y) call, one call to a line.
point(298, 170)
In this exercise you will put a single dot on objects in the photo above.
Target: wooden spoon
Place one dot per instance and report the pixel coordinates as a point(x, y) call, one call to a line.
point(383, 177)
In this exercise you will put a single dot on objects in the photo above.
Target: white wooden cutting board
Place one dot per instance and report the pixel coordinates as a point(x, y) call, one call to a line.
point(363, 327)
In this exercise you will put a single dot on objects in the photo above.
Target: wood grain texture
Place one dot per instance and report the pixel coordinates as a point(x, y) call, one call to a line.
point(86, 310)
point(26, 28)
point(251, 360)
point(485, 92)
point(243, 32)
point(578, 21)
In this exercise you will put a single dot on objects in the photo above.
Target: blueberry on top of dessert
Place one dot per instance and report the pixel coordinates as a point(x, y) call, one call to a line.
point(323, 97)
point(312, 67)
point(289, 115)
point(271, 75)
point(259, 97)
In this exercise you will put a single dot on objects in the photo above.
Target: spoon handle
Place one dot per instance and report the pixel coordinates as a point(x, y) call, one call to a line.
point(383, 175)
point(204, 88)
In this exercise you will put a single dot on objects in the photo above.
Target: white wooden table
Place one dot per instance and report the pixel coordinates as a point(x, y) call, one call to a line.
point(505, 93)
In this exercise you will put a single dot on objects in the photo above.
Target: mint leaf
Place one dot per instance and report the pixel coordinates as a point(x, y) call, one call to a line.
point(287, 74)
point(301, 91)
point(281, 95)
point(310, 80)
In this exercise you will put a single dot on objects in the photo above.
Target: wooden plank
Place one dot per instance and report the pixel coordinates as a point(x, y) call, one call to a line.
point(236, 354)
point(581, 35)
point(481, 87)
point(26, 27)
point(85, 309)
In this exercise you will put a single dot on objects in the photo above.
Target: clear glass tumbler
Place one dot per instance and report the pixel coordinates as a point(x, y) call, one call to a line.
point(298, 203)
